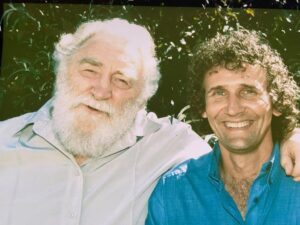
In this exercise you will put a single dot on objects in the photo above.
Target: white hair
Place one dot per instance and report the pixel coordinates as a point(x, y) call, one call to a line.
point(136, 37)
point(89, 136)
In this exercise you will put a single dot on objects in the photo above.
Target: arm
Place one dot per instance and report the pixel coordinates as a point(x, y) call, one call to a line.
point(290, 154)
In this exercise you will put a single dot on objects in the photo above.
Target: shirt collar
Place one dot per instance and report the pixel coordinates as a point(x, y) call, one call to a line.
point(144, 124)
point(270, 169)
point(214, 170)
point(43, 114)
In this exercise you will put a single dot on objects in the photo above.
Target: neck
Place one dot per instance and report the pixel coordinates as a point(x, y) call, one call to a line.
point(238, 171)
point(245, 165)
point(80, 159)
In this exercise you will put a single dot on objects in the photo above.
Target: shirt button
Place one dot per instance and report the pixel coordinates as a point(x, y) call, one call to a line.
point(256, 200)
point(72, 214)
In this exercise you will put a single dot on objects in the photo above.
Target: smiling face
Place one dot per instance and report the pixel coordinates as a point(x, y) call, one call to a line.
point(104, 69)
point(238, 108)
point(97, 96)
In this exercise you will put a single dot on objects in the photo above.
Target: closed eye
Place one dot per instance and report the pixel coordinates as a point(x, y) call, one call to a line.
point(121, 83)
point(88, 73)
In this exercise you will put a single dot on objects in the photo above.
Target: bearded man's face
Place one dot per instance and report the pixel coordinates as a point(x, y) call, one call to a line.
point(97, 96)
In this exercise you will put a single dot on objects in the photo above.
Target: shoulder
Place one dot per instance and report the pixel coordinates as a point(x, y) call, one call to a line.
point(180, 132)
point(169, 121)
point(169, 142)
point(12, 126)
point(188, 168)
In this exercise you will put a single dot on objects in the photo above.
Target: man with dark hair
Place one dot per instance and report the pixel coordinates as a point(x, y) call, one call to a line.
point(244, 93)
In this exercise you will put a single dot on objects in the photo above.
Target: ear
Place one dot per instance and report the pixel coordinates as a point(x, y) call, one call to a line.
point(276, 113)
point(204, 115)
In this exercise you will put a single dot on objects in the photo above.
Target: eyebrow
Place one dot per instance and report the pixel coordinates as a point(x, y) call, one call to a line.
point(222, 87)
point(90, 61)
point(214, 88)
point(249, 86)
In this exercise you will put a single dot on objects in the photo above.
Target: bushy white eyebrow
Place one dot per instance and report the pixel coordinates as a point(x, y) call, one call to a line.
point(90, 61)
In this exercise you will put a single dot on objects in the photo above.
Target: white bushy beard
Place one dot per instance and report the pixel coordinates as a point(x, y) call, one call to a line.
point(87, 135)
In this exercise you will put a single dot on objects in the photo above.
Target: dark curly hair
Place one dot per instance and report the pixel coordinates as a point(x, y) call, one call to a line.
point(232, 50)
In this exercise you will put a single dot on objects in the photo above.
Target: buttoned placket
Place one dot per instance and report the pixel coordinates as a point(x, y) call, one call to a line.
point(225, 198)
point(257, 190)
point(263, 192)
point(261, 196)
point(257, 198)
point(75, 193)
point(74, 206)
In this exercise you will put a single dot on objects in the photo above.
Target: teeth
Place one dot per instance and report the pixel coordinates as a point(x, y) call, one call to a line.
point(237, 124)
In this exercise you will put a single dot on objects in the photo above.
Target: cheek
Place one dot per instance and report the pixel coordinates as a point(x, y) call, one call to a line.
point(261, 108)
point(133, 94)
point(265, 102)
point(264, 105)
point(123, 97)
point(212, 109)
point(80, 84)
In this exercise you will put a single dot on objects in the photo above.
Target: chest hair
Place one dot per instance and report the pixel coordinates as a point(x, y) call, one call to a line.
point(239, 189)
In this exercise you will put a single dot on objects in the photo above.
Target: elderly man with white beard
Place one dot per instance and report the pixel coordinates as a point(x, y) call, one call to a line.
point(92, 154)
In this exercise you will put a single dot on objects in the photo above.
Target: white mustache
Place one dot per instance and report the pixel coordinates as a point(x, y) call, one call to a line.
point(93, 103)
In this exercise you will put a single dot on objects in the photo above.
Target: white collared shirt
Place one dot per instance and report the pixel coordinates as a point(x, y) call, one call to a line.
point(41, 184)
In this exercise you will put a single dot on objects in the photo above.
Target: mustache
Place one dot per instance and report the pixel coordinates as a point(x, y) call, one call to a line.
point(93, 103)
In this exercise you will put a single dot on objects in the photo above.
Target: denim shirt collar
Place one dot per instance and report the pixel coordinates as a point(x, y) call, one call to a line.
point(270, 169)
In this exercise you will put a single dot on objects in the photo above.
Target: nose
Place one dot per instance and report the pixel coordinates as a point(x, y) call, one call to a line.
point(234, 105)
point(101, 89)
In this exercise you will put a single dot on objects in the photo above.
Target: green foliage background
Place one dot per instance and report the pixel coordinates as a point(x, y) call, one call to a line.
point(30, 30)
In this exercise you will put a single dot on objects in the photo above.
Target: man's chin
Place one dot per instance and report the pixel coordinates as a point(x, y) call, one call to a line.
point(240, 147)
point(88, 125)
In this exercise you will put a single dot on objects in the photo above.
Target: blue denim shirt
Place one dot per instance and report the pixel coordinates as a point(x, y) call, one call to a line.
point(193, 193)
